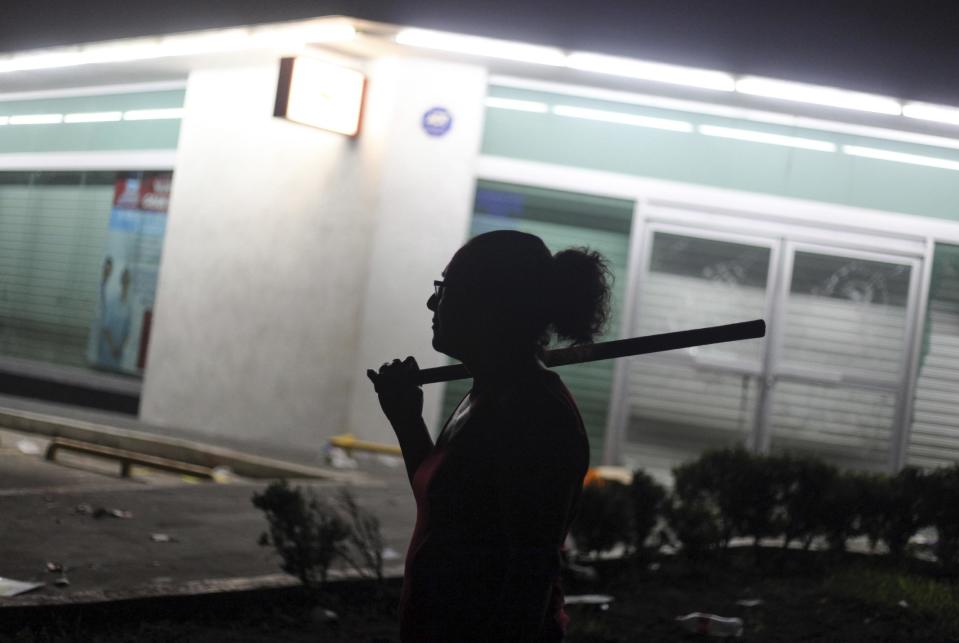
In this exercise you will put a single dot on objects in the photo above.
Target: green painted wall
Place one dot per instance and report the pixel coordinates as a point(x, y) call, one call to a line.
point(76, 137)
point(831, 177)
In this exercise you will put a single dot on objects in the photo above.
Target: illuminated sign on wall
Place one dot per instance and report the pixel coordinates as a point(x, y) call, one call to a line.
point(320, 94)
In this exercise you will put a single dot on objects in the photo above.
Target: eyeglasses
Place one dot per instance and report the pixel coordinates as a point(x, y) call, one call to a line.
point(438, 287)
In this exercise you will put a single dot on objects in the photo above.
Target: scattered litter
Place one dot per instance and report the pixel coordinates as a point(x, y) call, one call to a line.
point(10, 587)
point(84, 508)
point(28, 447)
point(903, 604)
point(103, 512)
point(339, 459)
point(701, 623)
point(222, 475)
point(55, 567)
point(589, 599)
point(750, 602)
point(62, 580)
point(162, 538)
point(667, 550)
point(323, 616)
point(653, 567)
point(390, 461)
point(390, 554)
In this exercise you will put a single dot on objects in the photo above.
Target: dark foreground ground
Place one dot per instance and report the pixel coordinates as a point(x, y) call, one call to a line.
point(805, 597)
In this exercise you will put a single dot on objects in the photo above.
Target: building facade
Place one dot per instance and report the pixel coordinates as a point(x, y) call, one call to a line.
point(165, 237)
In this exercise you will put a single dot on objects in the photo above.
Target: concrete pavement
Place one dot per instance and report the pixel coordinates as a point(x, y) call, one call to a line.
point(214, 526)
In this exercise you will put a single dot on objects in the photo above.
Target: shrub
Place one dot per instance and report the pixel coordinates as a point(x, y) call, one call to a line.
point(646, 499)
point(603, 519)
point(903, 509)
point(943, 513)
point(305, 530)
point(801, 485)
point(310, 533)
point(734, 486)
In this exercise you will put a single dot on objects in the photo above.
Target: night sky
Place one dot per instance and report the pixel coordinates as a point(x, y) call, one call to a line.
point(904, 49)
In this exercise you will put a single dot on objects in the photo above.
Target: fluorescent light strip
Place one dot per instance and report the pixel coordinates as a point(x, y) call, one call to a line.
point(92, 117)
point(477, 46)
point(4, 120)
point(754, 136)
point(196, 43)
point(36, 119)
point(818, 95)
point(929, 112)
point(900, 157)
point(518, 105)
point(153, 114)
point(620, 117)
point(657, 72)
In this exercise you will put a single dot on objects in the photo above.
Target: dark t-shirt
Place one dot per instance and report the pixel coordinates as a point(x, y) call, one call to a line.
point(494, 501)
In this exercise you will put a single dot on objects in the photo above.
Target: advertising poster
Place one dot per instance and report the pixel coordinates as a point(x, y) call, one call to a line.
point(131, 264)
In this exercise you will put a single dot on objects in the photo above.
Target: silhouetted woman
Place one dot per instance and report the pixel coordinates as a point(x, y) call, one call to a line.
point(496, 493)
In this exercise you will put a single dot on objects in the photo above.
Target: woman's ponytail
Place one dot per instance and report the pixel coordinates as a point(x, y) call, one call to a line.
point(582, 282)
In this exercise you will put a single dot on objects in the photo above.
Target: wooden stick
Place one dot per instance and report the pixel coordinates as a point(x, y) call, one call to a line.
point(620, 348)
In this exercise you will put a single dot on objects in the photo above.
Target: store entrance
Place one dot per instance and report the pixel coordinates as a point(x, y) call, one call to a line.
point(829, 378)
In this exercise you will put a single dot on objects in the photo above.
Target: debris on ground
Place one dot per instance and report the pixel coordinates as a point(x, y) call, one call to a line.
point(322, 616)
point(103, 512)
point(222, 475)
point(83, 509)
point(653, 567)
point(588, 599)
point(340, 459)
point(711, 624)
point(749, 602)
point(390, 554)
point(10, 587)
point(62, 580)
point(28, 447)
point(162, 538)
point(55, 567)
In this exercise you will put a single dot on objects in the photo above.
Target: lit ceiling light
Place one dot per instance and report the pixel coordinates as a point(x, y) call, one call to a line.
point(36, 119)
point(901, 157)
point(188, 44)
point(4, 120)
point(768, 138)
point(477, 46)
point(622, 118)
point(657, 72)
point(92, 117)
point(818, 95)
point(929, 112)
point(153, 114)
point(519, 105)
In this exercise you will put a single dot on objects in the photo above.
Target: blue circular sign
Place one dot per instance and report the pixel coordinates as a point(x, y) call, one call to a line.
point(437, 121)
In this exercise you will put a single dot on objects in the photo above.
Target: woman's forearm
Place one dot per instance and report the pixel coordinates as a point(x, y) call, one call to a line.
point(415, 443)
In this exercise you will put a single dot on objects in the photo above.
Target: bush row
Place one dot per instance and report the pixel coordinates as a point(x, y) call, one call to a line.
point(733, 493)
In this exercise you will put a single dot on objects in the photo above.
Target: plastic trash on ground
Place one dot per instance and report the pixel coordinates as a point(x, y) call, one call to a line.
point(10, 587)
point(339, 459)
point(749, 602)
point(103, 512)
point(28, 447)
point(711, 624)
point(390, 554)
point(222, 475)
point(162, 538)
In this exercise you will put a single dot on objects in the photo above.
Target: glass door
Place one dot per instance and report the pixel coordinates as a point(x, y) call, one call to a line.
point(837, 374)
point(681, 402)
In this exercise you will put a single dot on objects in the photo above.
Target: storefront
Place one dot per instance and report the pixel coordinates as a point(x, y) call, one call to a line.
point(294, 258)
